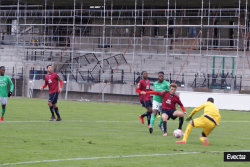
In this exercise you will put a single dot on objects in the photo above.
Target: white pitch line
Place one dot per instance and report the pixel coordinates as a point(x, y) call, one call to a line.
point(101, 121)
point(112, 157)
point(234, 121)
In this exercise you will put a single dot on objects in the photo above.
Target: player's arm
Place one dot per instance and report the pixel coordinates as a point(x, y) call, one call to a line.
point(153, 93)
point(182, 107)
point(138, 88)
point(61, 84)
point(167, 86)
point(11, 87)
point(195, 111)
point(45, 84)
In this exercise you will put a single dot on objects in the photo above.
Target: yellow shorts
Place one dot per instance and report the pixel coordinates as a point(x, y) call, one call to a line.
point(204, 123)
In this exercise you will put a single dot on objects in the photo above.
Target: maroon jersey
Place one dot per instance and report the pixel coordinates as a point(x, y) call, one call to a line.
point(143, 85)
point(169, 101)
point(52, 81)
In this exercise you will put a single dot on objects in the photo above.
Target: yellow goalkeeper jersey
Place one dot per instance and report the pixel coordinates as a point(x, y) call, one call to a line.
point(210, 110)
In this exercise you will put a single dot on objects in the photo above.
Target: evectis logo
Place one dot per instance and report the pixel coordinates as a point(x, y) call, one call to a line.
point(236, 156)
point(229, 156)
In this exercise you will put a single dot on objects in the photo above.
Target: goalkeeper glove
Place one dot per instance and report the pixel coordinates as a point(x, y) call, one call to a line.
point(189, 119)
point(10, 93)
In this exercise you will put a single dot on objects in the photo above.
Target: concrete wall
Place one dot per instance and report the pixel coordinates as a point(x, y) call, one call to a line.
point(112, 92)
point(222, 100)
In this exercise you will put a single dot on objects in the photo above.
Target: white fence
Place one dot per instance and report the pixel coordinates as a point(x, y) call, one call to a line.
point(222, 100)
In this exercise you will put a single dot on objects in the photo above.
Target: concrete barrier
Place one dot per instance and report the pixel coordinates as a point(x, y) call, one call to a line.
point(222, 100)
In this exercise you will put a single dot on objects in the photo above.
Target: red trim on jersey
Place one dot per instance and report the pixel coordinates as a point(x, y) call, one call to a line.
point(44, 86)
point(152, 92)
point(61, 83)
point(183, 109)
point(138, 91)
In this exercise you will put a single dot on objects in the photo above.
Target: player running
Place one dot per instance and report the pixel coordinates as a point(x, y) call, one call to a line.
point(4, 81)
point(51, 79)
point(144, 85)
point(207, 121)
point(169, 101)
point(160, 85)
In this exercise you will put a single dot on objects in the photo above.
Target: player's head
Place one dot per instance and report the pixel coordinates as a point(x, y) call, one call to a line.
point(160, 76)
point(210, 99)
point(49, 68)
point(173, 88)
point(144, 74)
point(2, 70)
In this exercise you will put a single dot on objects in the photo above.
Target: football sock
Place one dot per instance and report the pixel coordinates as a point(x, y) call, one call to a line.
point(145, 114)
point(52, 111)
point(3, 111)
point(180, 122)
point(152, 120)
point(161, 120)
point(57, 112)
point(149, 117)
point(202, 139)
point(187, 132)
point(165, 126)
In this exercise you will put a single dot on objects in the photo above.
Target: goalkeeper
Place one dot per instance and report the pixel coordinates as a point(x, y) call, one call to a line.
point(207, 121)
point(4, 81)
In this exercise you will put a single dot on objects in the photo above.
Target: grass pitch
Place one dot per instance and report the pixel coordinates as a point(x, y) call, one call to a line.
point(110, 134)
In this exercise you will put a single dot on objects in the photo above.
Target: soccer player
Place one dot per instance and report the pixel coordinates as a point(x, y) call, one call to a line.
point(4, 81)
point(160, 85)
point(207, 121)
point(51, 79)
point(144, 85)
point(169, 101)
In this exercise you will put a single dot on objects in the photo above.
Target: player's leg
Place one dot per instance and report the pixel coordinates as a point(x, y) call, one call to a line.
point(4, 103)
point(165, 119)
point(152, 120)
point(204, 139)
point(144, 104)
point(161, 120)
point(52, 111)
point(51, 97)
point(54, 102)
point(198, 123)
point(3, 112)
point(149, 113)
point(187, 132)
point(142, 116)
point(154, 113)
point(180, 115)
point(57, 112)
point(160, 124)
point(208, 127)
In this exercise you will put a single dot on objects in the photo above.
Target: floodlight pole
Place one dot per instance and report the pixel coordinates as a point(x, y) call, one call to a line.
point(17, 29)
point(202, 3)
point(166, 59)
point(238, 41)
point(73, 38)
point(103, 50)
point(134, 38)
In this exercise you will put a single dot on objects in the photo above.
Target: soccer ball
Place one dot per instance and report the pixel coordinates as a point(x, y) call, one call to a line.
point(177, 133)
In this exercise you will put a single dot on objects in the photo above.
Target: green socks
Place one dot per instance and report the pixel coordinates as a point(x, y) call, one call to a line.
point(152, 120)
point(160, 123)
point(3, 111)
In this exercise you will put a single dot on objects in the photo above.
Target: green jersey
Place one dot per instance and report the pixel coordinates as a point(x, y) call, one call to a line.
point(4, 81)
point(160, 87)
